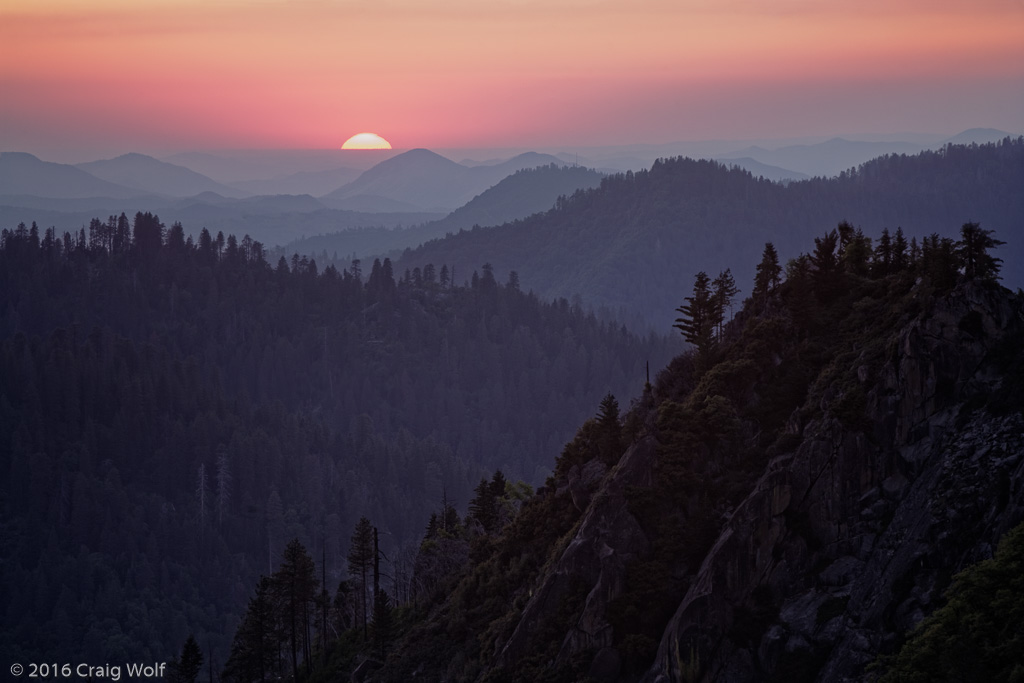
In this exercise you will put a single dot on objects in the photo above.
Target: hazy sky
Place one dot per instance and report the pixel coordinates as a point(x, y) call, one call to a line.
point(189, 74)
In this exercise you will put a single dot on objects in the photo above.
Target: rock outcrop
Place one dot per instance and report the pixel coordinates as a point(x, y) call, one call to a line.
point(850, 540)
point(608, 538)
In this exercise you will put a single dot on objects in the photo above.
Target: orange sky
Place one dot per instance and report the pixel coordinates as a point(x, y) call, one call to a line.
point(187, 74)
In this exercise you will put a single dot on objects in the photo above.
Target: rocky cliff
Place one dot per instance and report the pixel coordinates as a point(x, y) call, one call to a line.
point(847, 542)
point(904, 466)
point(787, 508)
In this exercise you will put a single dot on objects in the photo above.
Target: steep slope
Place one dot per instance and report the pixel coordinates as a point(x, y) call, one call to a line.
point(847, 541)
point(153, 176)
point(623, 245)
point(790, 504)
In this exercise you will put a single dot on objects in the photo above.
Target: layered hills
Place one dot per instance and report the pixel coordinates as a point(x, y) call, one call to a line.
point(25, 174)
point(423, 180)
point(155, 177)
point(621, 246)
point(525, 192)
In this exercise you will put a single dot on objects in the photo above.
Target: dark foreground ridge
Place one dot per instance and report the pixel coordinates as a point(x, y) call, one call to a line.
point(786, 503)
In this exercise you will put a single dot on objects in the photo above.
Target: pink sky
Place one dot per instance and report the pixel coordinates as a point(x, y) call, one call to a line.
point(190, 74)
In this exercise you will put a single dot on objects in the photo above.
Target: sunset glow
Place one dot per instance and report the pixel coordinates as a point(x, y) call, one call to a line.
point(175, 74)
point(366, 141)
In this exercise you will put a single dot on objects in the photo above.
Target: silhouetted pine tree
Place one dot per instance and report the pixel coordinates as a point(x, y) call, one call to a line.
point(360, 563)
point(766, 278)
point(697, 319)
point(972, 249)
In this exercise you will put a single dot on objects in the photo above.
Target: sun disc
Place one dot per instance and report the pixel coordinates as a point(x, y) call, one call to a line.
point(366, 141)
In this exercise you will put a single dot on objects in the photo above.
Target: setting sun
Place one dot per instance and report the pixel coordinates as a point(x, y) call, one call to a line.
point(366, 141)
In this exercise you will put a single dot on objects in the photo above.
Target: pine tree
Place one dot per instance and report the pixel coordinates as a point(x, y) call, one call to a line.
point(827, 276)
point(191, 661)
point(939, 261)
point(360, 562)
point(899, 251)
point(846, 236)
point(882, 264)
point(972, 250)
point(294, 587)
point(724, 292)
point(254, 650)
point(856, 257)
point(767, 276)
point(382, 628)
point(482, 506)
point(696, 322)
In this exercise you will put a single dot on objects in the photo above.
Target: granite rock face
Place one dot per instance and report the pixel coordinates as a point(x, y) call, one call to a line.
point(851, 539)
point(607, 538)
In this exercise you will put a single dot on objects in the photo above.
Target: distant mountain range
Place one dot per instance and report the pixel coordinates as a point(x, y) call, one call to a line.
point(426, 180)
point(834, 156)
point(824, 159)
point(517, 196)
point(278, 196)
point(766, 171)
point(152, 176)
point(25, 174)
point(315, 183)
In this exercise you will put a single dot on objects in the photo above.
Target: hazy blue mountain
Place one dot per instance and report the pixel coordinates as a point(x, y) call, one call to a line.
point(241, 165)
point(374, 203)
point(977, 135)
point(419, 177)
point(281, 203)
point(519, 195)
point(25, 174)
point(157, 177)
point(824, 159)
point(315, 183)
point(274, 224)
point(766, 171)
point(427, 180)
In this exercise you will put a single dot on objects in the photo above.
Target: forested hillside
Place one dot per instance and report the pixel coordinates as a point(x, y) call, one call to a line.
point(786, 502)
point(173, 414)
point(622, 245)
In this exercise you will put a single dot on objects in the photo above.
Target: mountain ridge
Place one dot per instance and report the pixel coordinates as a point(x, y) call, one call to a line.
point(429, 181)
point(786, 505)
point(692, 215)
point(153, 176)
point(25, 174)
